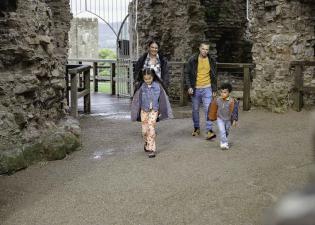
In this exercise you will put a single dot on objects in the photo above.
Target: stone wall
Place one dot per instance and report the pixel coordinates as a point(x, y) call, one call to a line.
point(226, 28)
point(282, 31)
point(33, 54)
point(83, 38)
point(180, 26)
point(279, 31)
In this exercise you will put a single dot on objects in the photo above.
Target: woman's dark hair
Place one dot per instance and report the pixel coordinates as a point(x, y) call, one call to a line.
point(227, 86)
point(152, 41)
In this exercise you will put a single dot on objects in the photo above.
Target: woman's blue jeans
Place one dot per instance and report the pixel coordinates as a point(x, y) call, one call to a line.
point(204, 96)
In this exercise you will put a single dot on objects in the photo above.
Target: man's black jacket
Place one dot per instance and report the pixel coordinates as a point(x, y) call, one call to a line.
point(190, 72)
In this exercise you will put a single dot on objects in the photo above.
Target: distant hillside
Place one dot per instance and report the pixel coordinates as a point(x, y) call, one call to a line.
point(107, 38)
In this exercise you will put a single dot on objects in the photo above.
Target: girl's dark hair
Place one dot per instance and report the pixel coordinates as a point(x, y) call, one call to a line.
point(148, 71)
point(227, 86)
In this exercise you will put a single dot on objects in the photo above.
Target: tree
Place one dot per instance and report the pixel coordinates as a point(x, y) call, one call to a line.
point(105, 53)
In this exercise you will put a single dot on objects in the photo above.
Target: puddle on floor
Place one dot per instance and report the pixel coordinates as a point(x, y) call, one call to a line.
point(116, 116)
point(100, 154)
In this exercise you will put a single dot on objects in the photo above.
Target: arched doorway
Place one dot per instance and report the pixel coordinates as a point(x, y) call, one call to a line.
point(113, 24)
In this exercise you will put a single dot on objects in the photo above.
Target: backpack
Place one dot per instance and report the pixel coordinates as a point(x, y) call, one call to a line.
point(213, 108)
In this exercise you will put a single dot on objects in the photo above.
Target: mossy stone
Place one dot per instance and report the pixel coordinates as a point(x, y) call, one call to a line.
point(33, 152)
point(54, 146)
point(71, 141)
point(12, 161)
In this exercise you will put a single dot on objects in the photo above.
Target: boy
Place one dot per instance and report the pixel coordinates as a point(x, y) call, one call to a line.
point(224, 109)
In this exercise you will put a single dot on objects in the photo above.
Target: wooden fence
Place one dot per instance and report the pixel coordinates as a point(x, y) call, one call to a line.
point(299, 88)
point(101, 64)
point(78, 82)
point(246, 67)
point(95, 64)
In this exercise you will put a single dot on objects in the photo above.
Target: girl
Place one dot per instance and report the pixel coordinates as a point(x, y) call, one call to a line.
point(150, 104)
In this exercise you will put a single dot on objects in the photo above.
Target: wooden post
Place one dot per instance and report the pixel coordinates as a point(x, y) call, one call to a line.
point(112, 78)
point(183, 91)
point(95, 74)
point(74, 95)
point(246, 90)
point(67, 86)
point(80, 78)
point(298, 88)
point(87, 97)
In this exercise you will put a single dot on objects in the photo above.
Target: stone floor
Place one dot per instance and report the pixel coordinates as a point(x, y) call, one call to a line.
point(191, 181)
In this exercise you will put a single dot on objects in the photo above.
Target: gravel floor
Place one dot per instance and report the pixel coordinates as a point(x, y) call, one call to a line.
point(191, 181)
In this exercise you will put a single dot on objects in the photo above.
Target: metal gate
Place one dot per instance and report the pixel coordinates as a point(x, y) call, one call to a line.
point(115, 14)
point(124, 75)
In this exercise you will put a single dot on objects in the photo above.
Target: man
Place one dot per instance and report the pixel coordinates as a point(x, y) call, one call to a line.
point(201, 81)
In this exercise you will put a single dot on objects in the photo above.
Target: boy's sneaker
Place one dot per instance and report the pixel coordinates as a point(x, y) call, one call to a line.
point(224, 146)
point(210, 135)
point(196, 132)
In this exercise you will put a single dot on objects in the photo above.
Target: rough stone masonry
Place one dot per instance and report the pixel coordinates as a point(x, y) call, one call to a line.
point(278, 32)
point(282, 31)
point(33, 53)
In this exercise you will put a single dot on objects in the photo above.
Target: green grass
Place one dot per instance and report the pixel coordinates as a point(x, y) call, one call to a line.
point(103, 87)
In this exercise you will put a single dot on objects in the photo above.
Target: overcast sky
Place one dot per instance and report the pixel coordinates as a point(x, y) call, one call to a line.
point(110, 10)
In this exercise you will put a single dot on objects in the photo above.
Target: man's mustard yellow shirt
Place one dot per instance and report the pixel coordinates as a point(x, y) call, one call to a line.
point(203, 73)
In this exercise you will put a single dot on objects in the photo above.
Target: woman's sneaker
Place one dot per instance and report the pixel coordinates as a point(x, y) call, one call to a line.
point(196, 132)
point(224, 146)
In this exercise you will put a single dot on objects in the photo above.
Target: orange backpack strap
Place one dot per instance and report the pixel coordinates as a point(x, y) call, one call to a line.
point(213, 110)
point(232, 102)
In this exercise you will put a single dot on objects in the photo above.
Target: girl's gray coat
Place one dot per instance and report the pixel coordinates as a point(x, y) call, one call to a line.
point(165, 110)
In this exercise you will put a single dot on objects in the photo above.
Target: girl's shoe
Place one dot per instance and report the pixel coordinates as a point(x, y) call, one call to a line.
point(151, 154)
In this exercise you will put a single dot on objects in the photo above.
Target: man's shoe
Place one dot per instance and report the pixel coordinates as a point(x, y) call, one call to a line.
point(196, 132)
point(210, 135)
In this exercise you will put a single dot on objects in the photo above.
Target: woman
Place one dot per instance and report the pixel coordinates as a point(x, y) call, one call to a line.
point(152, 60)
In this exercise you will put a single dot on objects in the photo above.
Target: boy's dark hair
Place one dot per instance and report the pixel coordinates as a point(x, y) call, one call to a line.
point(227, 86)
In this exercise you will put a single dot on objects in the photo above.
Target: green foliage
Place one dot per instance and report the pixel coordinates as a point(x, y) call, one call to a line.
point(105, 53)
